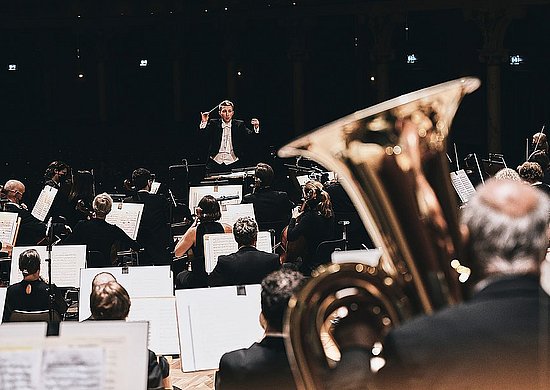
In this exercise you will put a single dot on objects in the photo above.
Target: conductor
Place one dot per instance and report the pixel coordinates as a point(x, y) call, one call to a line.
point(227, 138)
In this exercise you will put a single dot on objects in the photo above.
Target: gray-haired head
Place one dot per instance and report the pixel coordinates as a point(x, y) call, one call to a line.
point(245, 231)
point(507, 223)
point(103, 203)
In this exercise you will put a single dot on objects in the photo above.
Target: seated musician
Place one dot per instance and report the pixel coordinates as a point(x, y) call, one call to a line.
point(531, 172)
point(31, 294)
point(101, 237)
point(154, 227)
point(208, 214)
point(313, 222)
point(271, 208)
point(248, 265)
point(31, 229)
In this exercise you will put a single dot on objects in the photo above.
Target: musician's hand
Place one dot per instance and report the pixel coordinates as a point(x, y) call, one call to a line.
point(7, 247)
point(296, 212)
point(204, 116)
point(256, 123)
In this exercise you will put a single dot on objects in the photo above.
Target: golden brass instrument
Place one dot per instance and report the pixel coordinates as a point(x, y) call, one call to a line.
point(391, 161)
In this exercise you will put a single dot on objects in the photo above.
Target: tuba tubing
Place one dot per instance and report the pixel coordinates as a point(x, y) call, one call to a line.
point(391, 161)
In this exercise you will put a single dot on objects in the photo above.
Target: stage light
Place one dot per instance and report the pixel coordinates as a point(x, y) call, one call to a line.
point(12, 67)
point(516, 60)
point(371, 78)
point(205, 10)
point(143, 63)
point(239, 73)
point(225, 8)
point(81, 75)
point(411, 58)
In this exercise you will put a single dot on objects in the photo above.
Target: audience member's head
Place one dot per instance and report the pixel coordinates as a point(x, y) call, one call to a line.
point(245, 231)
point(277, 288)
point(141, 178)
point(208, 209)
point(102, 278)
point(29, 262)
point(109, 301)
point(507, 224)
point(103, 203)
point(531, 172)
point(263, 175)
point(507, 174)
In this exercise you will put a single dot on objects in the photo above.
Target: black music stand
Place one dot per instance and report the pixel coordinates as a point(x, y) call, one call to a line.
point(493, 164)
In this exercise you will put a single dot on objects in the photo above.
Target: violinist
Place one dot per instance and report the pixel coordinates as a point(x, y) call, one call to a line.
point(101, 238)
point(81, 197)
point(312, 222)
point(30, 294)
point(59, 176)
point(208, 214)
point(154, 228)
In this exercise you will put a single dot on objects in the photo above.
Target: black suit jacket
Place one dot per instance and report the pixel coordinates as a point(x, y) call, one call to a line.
point(240, 138)
point(246, 266)
point(496, 340)
point(271, 208)
point(31, 229)
point(154, 228)
point(262, 366)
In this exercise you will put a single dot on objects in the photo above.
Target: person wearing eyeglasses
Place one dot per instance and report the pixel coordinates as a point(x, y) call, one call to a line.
point(228, 139)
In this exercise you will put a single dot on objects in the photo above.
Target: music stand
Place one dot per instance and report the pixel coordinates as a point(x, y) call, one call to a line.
point(493, 164)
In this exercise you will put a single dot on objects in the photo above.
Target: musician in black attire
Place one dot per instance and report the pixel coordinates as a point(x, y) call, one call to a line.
point(154, 228)
point(31, 294)
point(32, 231)
point(59, 176)
point(272, 208)
point(227, 138)
point(102, 239)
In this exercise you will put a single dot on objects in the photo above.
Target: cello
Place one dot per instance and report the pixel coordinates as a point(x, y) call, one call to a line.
point(292, 250)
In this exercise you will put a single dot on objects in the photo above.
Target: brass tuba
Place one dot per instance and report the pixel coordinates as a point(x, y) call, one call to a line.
point(390, 159)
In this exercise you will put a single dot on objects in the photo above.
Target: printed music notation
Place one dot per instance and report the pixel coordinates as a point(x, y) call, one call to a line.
point(462, 185)
point(8, 226)
point(44, 202)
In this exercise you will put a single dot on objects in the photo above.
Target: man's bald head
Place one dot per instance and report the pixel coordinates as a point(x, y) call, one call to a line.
point(14, 190)
point(507, 222)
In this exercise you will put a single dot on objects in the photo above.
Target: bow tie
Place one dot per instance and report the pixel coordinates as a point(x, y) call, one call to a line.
point(226, 125)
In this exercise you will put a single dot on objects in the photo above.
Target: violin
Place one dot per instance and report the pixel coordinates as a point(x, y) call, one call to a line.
point(81, 206)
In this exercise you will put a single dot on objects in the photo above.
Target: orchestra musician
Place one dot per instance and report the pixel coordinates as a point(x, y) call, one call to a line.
point(31, 229)
point(59, 176)
point(208, 214)
point(227, 138)
point(272, 208)
point(81, 197)
point(313, 222)
point(154, 228)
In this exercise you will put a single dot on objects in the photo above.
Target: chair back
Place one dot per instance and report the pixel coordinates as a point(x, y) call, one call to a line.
point(325, 249)
point(33, 316)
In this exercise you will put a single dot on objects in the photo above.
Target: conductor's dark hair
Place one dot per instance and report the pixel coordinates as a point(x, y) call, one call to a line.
point(277, 289)
point(109, 301)
point(209, 209)
point(264, 173)
point(140, 178)
point(29, 262)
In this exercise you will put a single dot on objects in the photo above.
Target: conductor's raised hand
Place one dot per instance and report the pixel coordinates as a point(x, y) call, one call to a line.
point(204, 116)
point(256, 123)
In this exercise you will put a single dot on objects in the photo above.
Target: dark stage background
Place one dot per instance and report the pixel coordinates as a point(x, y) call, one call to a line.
point(302, 64)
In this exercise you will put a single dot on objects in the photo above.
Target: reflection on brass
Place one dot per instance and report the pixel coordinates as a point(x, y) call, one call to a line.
point(391, 161)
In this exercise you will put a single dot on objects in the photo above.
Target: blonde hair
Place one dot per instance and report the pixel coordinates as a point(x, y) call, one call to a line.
point(103, 203)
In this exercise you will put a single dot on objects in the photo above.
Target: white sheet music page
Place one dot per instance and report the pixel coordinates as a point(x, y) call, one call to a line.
point(126, 216)
point(232, 190)
point(154, 187)
point(213, 321)
point(232, 212)
point(3, 292)
point(163, 326)
point(462, 185)
point(44, 202)
point(8, 226)
point(67, 261)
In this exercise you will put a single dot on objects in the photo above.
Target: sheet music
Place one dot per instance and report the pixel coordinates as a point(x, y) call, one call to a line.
point(213, 321)
point(140, 282)
point(3, 292)
point(154, 187)
point(20, 367)
point(163, 326)
point(67, 261)
point(196, 194)
point(232, 212)
point(81, 367)
point(44, 202)
point(8, 226)
point(224, 244)
point(462, 185)
point(126, 216)
point(124, 346)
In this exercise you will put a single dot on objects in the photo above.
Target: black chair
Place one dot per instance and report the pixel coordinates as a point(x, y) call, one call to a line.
point(325, 249)
point(33, 316)
point(96, 259)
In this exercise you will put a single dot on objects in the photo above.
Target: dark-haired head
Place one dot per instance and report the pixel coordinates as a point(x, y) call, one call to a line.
point(264, 174)
point(29, 262)
point(209, 209)
point(109, 301)
point(140, 178)
point(277, 288)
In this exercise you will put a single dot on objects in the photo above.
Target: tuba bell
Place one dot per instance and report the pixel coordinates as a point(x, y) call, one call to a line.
point(390, 159)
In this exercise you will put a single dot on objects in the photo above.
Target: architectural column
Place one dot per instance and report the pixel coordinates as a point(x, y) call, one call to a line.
point(493, 24)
